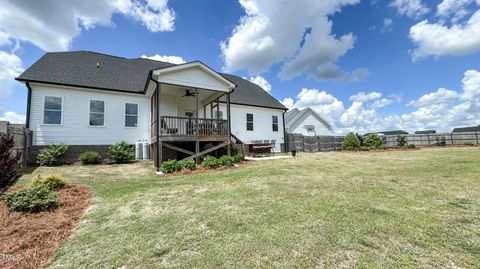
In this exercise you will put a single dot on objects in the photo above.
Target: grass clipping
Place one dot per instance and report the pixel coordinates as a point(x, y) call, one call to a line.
point(28, 240)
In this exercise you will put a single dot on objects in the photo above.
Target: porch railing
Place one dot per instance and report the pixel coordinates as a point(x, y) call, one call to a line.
point(186, 126)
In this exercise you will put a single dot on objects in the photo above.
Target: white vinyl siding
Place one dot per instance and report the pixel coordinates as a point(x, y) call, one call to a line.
point(52, 110)
point(75, 128)
point(131, 115)
point(97, 113)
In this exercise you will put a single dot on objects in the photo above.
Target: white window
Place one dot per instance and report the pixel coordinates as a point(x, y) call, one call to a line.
point(275, 123)
point(310, 128)
point(97, 113)
point(52, 110)
point(249, 122)
point(131, 115)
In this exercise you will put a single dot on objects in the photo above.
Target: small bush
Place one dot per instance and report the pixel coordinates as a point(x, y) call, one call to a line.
point(440, 141)
point(373, 141)
point(31, 200)
point(188, 165)
point(410, 146)
point(226, 160)
point(51, 155)
point(120, 152)
point(90, 157)
point(210, 162)
point(170, 166)
point(469, 143)
point(8, 162)
point(401, 141)
point(237, 158)
point(50, 182)
point(351, 142)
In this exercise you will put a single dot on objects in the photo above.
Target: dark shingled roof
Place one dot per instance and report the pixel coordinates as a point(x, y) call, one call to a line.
point(396, 132)
point(426, 132)
point(79, 68)
point(467, 129)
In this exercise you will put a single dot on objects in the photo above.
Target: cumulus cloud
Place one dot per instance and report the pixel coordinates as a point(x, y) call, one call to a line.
point(362, 97)
point(441, 110)
point(437, 39)
point(165, 58)
point(262, 82)
point(296, 34)
point(288, 102)
point(10, 67)
point(12, 117)
point(410, 8)
point(456, 9)
point(51, 25)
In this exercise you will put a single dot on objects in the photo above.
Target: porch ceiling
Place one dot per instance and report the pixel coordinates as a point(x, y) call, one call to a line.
point(204, 96)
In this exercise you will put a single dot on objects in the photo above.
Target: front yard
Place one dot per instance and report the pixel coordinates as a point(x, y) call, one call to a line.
point(368, 210)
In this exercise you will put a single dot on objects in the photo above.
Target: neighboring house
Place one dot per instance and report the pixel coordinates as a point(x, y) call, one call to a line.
point(396, 132)
point(306, 122)
point(467, 129)
point(426, 132)
point(90, 100)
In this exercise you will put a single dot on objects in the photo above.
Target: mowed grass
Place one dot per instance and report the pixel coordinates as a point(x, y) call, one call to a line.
point(412, 209)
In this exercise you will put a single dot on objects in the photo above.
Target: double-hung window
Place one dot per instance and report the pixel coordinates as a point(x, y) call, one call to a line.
point(97, 113)
point(52, 110)
point(249, 122)
point(275, 123)
point(131, 115)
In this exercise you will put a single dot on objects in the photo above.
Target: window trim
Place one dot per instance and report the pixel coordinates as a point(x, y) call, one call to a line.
point(125, 114)
point(43, 110)
point(273, 123)
point(246, 122)
point(104, 113)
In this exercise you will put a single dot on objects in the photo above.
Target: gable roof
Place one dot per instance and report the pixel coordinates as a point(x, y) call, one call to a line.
point(295, 117)
point(466, 129)
point(395, 132)
point(426, 132)
point(79, 68)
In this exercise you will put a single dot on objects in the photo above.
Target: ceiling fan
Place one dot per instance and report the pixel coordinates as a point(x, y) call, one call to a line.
point(188, 93)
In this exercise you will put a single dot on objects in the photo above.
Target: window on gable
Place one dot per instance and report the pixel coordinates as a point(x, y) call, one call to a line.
point(52, 110)
point(97, 113)
point(131, 115)
point(275, 123)
point(249, 122)
point(310, 128)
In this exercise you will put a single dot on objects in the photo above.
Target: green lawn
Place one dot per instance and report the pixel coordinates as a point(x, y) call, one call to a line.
point(335, 210)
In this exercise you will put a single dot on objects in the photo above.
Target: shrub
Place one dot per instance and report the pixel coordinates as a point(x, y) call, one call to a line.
point(351, 142)
point(469, 143)
point(401, 141)
point(373, 141)
point(237, 158)
point(410, 146)
point(210, 162)
point(8, 162)
point(90, 157)
point(170, 166)
point(440, 141)
point(188, 164)
point(51, 155)
point(226, 160)
point(120, 152)
point(31, 200)
point(50, 182)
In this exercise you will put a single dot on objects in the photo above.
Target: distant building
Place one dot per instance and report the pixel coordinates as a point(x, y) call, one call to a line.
point(426, 132)
point(306, 122)
point(395, 132)
point(467, 129)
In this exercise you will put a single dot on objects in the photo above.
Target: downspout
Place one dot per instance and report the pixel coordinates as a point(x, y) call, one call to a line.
point(285, 137)
point(29, 101)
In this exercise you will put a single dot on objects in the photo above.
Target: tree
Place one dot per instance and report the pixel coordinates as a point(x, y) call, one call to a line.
point(8, 162)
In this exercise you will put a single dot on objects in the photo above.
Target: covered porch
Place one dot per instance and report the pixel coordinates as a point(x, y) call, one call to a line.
point(180, 120)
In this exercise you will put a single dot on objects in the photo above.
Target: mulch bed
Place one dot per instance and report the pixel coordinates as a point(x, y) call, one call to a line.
point(28, 240)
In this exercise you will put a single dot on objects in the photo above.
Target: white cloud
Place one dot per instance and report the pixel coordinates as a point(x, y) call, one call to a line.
point(51, 25)
point(437, 39)
point(296, 34)
point(12, 117)
point(165, 58)
point(410, 8)
point(288, 102)
point(441, 110)
point(363, 97)
point(456, 9)
point(10, 67)
point(387, 24)
point(262, 82)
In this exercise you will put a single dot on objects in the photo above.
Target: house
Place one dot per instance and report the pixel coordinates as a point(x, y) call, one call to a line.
point(467, 129)
point(426, 132)
point(395, 132)
point(306, 122)
point(90, 100)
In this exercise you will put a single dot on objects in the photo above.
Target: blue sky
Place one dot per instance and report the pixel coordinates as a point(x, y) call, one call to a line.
point(363, 65)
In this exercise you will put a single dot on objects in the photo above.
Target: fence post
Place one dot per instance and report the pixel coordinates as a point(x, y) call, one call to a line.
point(476, 134)
point(451, 137)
